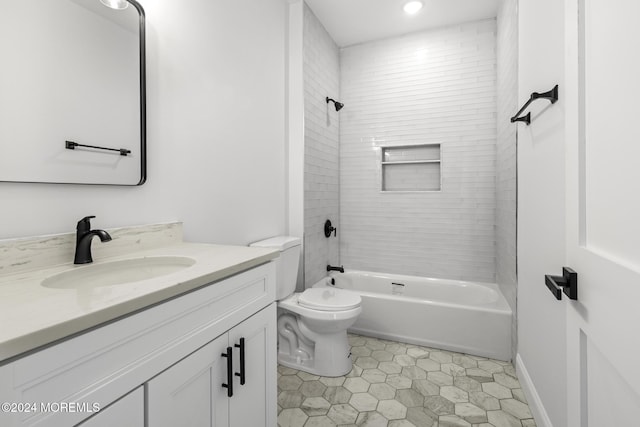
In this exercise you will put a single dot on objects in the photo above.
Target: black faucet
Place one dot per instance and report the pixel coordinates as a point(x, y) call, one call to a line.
point(332, 268)
point(84, 235)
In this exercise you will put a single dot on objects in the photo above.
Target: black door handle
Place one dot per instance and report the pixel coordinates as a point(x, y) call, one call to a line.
point(229, 384)
point(241, 374)
point(567, 283)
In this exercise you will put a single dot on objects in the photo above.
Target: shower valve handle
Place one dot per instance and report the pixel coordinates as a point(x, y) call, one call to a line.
point(328, 229)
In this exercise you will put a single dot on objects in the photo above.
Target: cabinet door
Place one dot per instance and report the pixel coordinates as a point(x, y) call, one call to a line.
point(126, 412)
point(254, 402)
point(190, 393)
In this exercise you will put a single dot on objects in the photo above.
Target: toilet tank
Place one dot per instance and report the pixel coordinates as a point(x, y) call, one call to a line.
point(286, 264)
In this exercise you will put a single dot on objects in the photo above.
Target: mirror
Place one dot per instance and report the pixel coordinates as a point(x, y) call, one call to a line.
point(72, 92)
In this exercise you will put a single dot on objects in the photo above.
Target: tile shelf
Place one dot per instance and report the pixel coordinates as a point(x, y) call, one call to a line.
point(410, 162)
point(414, 168)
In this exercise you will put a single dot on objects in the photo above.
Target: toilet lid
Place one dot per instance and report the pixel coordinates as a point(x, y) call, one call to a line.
point(329, 299)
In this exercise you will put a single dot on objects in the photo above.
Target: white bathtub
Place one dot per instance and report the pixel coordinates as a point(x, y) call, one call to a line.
point(467, 317)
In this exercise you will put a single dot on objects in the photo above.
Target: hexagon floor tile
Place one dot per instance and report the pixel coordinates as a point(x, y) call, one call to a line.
point(404, 385)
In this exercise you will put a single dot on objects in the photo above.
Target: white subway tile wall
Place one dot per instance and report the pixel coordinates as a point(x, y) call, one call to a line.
point(321, 148)
point(437, 86)
point(506, 202)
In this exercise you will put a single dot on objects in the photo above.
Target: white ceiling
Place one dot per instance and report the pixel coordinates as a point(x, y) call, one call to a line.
point(356, 21)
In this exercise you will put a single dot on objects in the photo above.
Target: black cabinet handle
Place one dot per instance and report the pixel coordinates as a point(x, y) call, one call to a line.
point(241, 374)
point(567, 283)
point(229, 384)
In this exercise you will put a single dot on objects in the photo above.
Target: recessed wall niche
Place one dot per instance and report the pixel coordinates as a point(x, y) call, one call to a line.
point(411, 168)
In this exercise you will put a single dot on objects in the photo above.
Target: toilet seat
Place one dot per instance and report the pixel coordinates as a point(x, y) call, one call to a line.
point(329, 299)
point(292, 304)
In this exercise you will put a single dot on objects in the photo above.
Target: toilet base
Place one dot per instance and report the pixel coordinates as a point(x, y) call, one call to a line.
point(332, 357)
point(314, 341)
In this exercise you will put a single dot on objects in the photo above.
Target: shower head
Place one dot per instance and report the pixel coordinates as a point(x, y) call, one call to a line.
point(336, 104)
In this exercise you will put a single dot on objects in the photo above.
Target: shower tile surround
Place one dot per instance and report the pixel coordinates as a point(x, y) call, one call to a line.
point(401, 385)
point(506, 151)
point(436, 86)
point(321, 148)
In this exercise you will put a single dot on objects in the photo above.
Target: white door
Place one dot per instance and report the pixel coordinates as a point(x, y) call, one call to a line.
point(603, 211)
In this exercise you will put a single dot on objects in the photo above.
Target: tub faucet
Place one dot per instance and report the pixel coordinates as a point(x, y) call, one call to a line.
point(84, 235)
point(332, 268)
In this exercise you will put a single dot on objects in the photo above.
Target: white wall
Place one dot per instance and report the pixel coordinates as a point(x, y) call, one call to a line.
point(216, 132)
point(436, 86)
point(506, 152)
point(541, 212)
point(321, 151)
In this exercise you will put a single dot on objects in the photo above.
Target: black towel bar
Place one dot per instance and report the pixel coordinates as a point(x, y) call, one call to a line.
point(551, 95)
point(70, 145)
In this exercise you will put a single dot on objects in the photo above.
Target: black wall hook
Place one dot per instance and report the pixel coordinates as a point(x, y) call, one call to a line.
point(567, 283)
point(551, 95)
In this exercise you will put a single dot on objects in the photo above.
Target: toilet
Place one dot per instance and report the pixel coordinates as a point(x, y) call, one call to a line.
point(312, 325)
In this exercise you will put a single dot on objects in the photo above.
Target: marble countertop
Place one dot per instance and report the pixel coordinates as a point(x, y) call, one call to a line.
point(32, 315)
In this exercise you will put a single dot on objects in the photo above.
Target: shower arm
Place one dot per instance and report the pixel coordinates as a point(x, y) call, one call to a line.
point(338, 105)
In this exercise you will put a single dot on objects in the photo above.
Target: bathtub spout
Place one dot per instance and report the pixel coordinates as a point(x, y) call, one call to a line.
point(332, 268)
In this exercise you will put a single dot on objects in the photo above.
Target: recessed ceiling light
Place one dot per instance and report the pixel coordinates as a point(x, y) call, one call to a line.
point(412, 7)
point(115, 4)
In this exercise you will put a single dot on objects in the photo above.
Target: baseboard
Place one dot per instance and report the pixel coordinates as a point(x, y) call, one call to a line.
point(535, 404)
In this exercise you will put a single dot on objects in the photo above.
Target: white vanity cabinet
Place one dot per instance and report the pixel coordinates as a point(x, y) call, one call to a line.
point(161, 366)
point(196, 390)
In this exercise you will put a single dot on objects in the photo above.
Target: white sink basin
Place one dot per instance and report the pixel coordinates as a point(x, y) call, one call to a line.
point(117, 272)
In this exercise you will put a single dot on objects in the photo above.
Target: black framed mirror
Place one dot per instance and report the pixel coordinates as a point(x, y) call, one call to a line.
point(72, 92)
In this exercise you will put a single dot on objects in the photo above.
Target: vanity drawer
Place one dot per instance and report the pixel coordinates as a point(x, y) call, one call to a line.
point(102, 364)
